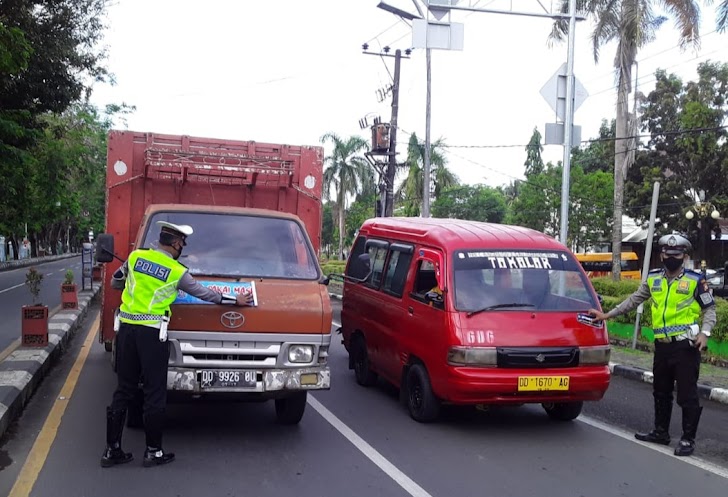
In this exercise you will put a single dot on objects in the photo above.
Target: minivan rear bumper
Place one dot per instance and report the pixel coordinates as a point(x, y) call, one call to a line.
point(467, 385)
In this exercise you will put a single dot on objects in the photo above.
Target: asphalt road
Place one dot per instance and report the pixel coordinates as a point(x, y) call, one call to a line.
point(352, 441)
point(14, 294)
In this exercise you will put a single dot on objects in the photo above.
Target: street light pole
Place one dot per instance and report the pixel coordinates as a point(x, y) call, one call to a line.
point(568, 124)
point(704, 210)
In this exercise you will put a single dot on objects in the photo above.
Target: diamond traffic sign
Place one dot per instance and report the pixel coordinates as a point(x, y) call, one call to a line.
point(554, 92)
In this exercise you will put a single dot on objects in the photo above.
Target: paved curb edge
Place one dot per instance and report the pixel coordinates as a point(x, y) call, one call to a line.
point(15, 264)
point(23, 370)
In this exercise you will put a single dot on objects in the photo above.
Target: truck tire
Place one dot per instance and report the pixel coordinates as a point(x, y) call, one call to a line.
point(289, 410)
point(362, 372)
point(422, 404)
point(563, 411)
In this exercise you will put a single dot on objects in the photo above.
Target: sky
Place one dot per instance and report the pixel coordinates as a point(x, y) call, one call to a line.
point(288, 71)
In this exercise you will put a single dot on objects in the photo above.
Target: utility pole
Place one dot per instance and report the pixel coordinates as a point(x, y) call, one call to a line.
point(392, 165)
point(426, 181)
point(568, 124)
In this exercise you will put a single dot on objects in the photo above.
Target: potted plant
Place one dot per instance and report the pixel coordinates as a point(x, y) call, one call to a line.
point(34, 325)
point(69, 296)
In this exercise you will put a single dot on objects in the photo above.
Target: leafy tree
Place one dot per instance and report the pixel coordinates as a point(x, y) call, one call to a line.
point(687, 150)
point(327, 229)
point(410, 192)
point(345, 168)
point(534, 163)
point(632, 24)
point(598, 154)
point(476, 203)
point(359, 211)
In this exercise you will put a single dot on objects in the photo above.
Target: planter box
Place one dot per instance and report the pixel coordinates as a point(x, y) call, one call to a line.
point(34, 326)
point(69, 296)
point(96, 273)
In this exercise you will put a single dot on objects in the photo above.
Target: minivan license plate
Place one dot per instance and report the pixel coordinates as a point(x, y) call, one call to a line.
point(539, 383)
point(222, 378)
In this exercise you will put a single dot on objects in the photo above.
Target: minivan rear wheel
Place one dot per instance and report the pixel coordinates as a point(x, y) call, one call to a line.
point(422, 404)
point(563, 411)
point(362, 371)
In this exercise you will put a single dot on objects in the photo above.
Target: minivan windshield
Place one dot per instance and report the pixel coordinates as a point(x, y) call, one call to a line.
point(519, 280)
point(240, 246)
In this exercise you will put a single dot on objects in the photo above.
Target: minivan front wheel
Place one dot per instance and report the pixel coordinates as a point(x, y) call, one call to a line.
point(563, 411)
point(422, 404)
point(362, 371)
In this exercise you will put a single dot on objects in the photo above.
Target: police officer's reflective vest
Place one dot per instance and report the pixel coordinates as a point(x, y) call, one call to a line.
point(151, 287)
point(674, 307)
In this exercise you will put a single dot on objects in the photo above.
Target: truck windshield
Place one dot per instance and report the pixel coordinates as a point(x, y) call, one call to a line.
point(240, 246)
point(546, 281)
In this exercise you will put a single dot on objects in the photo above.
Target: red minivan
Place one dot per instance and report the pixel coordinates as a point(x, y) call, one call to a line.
point(464, 312)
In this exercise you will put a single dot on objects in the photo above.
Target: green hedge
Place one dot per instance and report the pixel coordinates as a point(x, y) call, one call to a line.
point(333, 266)
point(614, 292)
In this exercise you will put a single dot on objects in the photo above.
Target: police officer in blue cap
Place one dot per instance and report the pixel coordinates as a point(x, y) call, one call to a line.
point(150, 279)
point(678, 297)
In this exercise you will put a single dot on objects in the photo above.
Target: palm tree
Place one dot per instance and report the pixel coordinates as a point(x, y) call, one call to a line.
point(410, 192)
point(723, 16)
point(345, 171)
point(632, 24)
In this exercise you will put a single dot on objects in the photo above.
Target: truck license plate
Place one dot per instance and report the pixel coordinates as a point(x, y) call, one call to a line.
point(221, 378)
point(541, 383)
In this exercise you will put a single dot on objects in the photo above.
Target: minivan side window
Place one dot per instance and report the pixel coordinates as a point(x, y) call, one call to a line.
point(353, 269)
point(426, 288)
point(397, 268)
point(378, 255)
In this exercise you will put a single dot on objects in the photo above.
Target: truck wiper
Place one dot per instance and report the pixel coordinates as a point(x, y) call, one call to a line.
point(498, 306)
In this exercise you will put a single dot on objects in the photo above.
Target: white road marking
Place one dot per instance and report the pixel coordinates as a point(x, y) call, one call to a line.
point(334, 323)
point(370, 452)
point(692, 460)
point(12, 288)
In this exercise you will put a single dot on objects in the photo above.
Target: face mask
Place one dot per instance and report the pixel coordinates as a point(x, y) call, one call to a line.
point(672, 264)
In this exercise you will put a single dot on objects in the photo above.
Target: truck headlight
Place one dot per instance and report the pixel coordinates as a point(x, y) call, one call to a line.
point(595, 356)
point(300, 353)
point(472, 356)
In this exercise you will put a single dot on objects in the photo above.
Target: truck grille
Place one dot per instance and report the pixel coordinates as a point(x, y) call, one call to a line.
point(538, 357)
point(214, 353)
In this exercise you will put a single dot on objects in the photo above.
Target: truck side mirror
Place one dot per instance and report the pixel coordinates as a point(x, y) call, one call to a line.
point(105, 248)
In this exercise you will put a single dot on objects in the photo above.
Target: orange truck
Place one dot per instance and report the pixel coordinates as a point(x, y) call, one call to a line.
point(256, 213)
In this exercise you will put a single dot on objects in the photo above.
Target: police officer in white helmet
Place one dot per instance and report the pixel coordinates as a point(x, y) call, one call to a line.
point(679, 297)
point(150, 279)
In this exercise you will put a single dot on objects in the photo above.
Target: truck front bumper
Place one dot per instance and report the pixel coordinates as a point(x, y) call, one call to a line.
point(269, 380)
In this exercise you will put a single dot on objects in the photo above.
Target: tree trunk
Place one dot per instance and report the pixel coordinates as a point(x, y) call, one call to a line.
point(621, 157)
point(341, 225)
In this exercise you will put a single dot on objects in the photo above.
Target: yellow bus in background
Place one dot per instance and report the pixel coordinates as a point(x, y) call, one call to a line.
point(600, 264)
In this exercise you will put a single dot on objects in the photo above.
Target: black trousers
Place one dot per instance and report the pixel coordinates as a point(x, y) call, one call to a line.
point(676, 362)
point(141, 354)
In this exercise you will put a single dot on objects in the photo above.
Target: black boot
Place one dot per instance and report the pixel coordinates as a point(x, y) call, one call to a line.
point(113, 454)
point(690, 420)
point(153, 428)
point(156, 456)
point(661, 433)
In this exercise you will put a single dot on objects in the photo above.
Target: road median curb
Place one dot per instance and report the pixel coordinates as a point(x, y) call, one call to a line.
point(634, 373)
point(8, 265)
point(23, 370)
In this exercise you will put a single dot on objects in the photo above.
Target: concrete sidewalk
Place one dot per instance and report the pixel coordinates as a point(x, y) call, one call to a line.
point(637, 365)
point(23, 370)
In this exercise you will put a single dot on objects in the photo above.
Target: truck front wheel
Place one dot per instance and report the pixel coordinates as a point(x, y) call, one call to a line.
point(289, 410)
